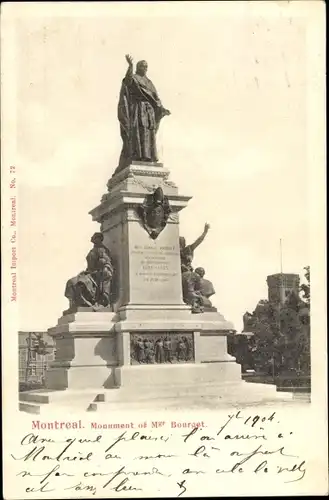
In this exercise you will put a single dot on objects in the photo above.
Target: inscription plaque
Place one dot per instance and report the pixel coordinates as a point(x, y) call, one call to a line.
point(155, 264)
point(154, 267)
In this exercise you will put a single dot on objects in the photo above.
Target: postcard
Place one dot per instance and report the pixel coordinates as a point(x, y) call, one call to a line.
point(163, 255)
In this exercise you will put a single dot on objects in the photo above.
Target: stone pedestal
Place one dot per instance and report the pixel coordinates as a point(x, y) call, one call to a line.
point(96, 349)
point(148, 285)
point(86, 352)
point(147, 270)
point(98, 352)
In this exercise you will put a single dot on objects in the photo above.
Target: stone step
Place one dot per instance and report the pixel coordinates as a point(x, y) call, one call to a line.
point(269, 388)
point(29, 408)
point(65, 407)
point(234, 398)
point(302, 396)
point(203, 403)
point(45, 396)
point(42, 400)
point(296, 389)
point(182, 395)
point(163, 392)
point(233, 392)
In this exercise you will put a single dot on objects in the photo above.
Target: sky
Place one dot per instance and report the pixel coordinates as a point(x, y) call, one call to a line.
point(236, 84)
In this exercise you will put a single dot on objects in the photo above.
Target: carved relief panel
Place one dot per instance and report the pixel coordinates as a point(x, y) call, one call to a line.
point(164, 347)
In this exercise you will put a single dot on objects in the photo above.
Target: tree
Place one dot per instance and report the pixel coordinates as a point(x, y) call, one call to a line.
point(291, 330)
point(282, 332)
point(266, 329)
point(305, 287)
point(304, 314)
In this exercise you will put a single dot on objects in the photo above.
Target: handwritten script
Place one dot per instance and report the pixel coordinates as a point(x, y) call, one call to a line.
point(154, 458)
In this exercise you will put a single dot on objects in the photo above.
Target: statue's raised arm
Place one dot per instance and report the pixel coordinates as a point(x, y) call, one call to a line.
point(130, 70)
point(129, 60)
point(199, 240)
point(139, 112)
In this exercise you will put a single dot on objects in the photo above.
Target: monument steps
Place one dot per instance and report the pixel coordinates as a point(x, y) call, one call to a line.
point(203, 403)
point(29, 408)
point(69, 400)
point(65, 408)
point(45, 396)
point(209, 396)
point(182, 391)
point(184, 403)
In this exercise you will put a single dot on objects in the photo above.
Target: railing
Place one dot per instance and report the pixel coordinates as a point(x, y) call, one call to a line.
point(33, 366)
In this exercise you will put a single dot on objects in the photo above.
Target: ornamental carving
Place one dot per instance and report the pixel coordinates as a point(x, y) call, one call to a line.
point(156, 348)
point(154, 212)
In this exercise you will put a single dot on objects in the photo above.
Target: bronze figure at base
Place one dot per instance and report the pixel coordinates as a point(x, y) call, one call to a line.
point(92, 288)
point(196, 289)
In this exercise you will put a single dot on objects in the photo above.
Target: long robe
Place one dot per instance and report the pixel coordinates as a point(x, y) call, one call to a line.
point(92, 286)
point(139, 113)
point(159, 352)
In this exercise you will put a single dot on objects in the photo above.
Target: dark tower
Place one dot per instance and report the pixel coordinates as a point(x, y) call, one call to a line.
point(281, 285)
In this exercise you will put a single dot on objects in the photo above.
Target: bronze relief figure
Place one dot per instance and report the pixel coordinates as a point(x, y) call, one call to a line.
point(154, 212)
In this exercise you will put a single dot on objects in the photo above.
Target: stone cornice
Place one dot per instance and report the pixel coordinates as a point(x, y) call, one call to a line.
point(131, 200)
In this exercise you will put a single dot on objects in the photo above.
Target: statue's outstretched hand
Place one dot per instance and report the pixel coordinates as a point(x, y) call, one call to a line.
point(206, 227)
point(129, 59)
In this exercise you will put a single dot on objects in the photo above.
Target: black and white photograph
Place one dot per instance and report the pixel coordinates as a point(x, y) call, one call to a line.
point(164, 253)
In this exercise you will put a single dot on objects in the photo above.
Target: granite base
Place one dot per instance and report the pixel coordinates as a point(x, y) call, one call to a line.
point(93, 365)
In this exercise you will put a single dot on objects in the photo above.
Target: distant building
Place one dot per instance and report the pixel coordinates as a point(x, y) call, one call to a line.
point(36, 351)
point(281, 285)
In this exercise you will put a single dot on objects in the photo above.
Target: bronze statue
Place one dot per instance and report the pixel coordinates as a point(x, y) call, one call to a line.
point(206, 289)
point(148, 351)
point(92, 287)
point(191, 281)
point(167, 350)
point(191, 291)
point(189, 348)
point(139, 112)
point(187, 251)
point(182, 347)
point(159, 351)
point(140, 350)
